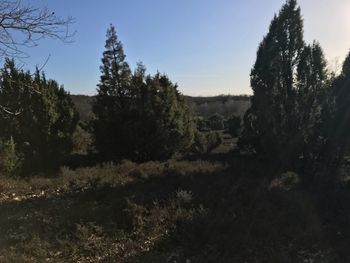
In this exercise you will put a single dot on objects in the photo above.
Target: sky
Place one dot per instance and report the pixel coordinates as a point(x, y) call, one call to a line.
point(207, 47)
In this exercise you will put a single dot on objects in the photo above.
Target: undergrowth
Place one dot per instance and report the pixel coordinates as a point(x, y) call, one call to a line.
point(175, 211)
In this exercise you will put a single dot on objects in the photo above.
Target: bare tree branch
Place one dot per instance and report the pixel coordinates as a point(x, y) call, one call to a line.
point(24, 26)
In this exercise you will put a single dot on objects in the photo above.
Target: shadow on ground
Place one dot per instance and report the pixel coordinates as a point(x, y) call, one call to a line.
point(228, 215)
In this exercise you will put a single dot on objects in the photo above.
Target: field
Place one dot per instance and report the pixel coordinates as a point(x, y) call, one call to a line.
point(175, 211)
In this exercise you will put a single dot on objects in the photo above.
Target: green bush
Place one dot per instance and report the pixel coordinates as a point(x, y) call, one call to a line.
point(199, 143)
point(216, 122)
point(201, 124)
point(213, 141)
point(82, 140)
point(205, 142)
point(234, 126)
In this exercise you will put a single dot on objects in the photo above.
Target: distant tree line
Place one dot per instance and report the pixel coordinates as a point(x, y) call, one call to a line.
point(225, 105)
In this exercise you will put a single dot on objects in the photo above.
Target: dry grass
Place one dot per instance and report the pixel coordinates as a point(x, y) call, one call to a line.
point(98, 214)
point(175, 211)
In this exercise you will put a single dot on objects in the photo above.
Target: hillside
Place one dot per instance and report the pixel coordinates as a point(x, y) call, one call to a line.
point(223, 209)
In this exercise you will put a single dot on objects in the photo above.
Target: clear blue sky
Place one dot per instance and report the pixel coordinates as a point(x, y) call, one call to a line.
point(207, 46)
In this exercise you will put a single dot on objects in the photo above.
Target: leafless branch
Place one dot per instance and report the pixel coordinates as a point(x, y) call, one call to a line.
point(46, 61)
point(24, 26)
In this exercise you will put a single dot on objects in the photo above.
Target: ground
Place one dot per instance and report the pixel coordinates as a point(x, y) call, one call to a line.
point(175, 211)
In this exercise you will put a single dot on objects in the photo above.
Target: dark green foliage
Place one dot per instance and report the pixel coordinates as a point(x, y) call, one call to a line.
point(199, 145)
point(9, 158)
point(312, 104)
point(163, 124)
point(249, 140)
point(216, 122)
point(201, 124)
point(45, 117)
point(137, 116)
point(234, 126)
point(273, 81)
point(337, 125)
point(198, 106)
point(213, 140)
point(205, 142)
point(112, 104)
point(82, 140)
point(341, 89)
point(288, 80)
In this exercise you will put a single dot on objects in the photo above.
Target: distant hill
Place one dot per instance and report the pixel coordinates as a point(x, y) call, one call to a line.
point(225, 105)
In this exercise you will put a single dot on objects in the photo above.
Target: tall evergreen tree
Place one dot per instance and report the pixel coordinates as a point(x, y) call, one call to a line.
point(273, 80)
point(287, 80)
point(112, 105)
point(338, 127)
point(137, 116)
point(311, 101)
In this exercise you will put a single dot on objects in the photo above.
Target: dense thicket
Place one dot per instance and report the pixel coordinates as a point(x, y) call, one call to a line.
point(137, 116)
point(42, 118)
